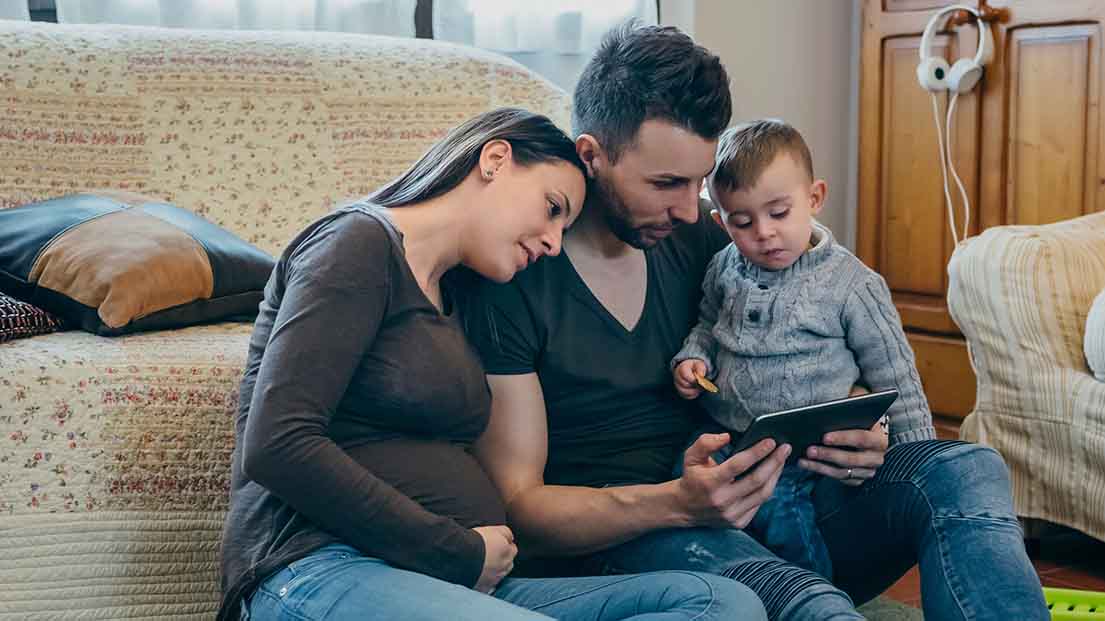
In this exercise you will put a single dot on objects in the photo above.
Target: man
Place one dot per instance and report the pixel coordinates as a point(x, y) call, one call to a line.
point(586, 426)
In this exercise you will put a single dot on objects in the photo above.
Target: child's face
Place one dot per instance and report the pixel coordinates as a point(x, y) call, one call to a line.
point(772, 222)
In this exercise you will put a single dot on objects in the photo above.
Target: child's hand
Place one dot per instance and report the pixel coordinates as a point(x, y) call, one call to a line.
point(686, 384)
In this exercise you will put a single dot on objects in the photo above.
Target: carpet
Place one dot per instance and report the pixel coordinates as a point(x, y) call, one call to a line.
point(886, 609)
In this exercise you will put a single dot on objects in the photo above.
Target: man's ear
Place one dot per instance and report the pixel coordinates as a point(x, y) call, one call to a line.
point(818, 192)
point(591, 153)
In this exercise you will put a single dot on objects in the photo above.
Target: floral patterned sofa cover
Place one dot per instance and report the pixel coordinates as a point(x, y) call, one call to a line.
point(114, 452)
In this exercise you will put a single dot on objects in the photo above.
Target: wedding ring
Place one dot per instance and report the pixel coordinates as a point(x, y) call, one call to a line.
point(849, 474)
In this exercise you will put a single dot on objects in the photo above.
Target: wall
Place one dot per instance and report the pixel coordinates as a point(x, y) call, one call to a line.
point(797, 60)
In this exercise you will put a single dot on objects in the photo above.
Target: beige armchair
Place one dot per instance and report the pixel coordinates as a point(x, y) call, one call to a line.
point(1021, 295)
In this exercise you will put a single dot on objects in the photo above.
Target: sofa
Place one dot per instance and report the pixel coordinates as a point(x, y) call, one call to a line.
point(114, 452)
point(1022, 296)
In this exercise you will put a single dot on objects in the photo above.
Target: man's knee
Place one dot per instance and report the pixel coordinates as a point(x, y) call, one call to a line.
point(967, 480)
point(979, 459)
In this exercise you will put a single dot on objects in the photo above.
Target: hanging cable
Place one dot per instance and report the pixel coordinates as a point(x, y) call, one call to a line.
point(944, 168)
point(955, 175)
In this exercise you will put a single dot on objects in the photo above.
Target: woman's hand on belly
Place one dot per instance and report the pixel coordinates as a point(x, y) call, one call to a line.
point(498, 559)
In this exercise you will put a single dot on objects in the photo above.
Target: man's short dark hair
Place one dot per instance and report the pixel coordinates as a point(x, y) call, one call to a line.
point(744, 151)
point(640, 73)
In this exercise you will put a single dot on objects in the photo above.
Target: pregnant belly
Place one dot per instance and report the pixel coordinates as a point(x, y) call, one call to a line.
point(441, 476)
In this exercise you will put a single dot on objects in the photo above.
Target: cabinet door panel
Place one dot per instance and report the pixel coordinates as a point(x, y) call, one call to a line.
point(1053, 118)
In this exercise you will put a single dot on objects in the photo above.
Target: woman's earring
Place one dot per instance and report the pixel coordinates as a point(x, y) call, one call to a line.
point(488, 174)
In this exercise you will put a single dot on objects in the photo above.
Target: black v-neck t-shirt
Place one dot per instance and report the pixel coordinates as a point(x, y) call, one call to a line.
point(613, 414)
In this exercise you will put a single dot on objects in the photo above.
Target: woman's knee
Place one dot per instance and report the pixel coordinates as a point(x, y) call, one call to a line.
point(702, 596)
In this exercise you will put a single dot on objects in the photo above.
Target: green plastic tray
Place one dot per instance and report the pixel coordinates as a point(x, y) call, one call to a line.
point(1072, 605)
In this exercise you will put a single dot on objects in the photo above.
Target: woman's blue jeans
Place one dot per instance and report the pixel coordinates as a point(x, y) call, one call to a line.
point(337, 582)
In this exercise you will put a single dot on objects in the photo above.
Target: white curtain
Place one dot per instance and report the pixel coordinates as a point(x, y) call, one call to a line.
point(390, 17)
point(14, 9)
point(554, 38)
point(518, 26)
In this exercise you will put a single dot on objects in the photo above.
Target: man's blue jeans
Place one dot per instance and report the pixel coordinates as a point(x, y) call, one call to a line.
point(945, 505)
point(336, 582)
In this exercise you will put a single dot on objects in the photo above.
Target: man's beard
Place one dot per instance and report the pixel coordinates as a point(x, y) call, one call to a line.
point(617, 216)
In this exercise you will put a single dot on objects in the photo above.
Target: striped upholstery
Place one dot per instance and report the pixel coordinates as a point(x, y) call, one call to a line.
point(114, 453)
point(1021, 295)
point(1095, 337)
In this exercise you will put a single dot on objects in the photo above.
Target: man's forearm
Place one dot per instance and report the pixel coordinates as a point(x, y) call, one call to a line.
point(554, 520)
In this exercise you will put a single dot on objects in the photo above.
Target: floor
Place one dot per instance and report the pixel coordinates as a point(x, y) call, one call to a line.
point(1063, 557)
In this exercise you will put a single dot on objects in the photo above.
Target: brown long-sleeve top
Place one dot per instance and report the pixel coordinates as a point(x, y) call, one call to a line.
point(358, 405)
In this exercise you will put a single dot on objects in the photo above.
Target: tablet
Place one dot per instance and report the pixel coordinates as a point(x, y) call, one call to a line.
point(805, 426)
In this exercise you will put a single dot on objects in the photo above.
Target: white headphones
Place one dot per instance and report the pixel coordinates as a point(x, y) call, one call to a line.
point(933, 72)
point(934, 75)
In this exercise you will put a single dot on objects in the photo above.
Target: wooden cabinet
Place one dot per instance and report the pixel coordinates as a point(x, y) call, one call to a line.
point(1026, 143)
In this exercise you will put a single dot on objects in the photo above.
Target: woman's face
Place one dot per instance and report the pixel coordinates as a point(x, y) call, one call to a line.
point(526, 211)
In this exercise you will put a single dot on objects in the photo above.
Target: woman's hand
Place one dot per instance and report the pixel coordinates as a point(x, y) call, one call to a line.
point(859, 455)
point(498, 558)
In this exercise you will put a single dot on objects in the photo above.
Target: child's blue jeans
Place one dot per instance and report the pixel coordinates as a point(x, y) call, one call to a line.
point(787, 523)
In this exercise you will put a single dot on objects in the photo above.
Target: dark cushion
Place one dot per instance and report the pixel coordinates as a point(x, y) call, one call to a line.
point(116, 262)
point(19, 319)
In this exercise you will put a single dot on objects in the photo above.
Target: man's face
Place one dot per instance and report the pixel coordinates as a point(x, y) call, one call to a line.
point(654, 185)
